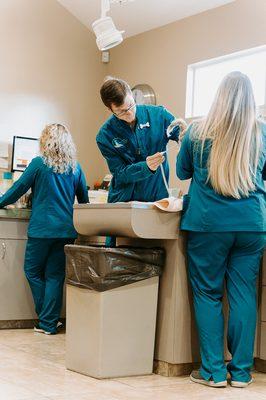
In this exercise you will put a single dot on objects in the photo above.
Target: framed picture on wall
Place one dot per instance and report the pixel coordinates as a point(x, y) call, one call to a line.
point(23, 151)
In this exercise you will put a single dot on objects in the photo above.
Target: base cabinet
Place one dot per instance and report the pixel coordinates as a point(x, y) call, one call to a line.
point(15, 296)
point(16, 303)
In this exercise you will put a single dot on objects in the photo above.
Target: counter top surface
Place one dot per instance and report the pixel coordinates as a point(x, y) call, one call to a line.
point(129, 205)
point(15, 213)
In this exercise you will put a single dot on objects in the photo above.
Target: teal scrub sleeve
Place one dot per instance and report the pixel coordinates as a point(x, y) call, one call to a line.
point(184, 161)
point(123, 173)
point(82, 191)
point(168, 118)
point(22, 185)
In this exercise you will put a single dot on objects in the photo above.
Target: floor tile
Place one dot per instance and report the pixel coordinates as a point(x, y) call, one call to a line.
point(10, 391)
point(150, 381)
point(32, 367)
point(87, 396)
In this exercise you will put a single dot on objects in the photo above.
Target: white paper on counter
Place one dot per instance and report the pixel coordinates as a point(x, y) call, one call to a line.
point(3, 163)
point(3, 149)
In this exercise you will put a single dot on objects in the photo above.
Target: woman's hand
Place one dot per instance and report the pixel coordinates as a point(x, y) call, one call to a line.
point(155, 161)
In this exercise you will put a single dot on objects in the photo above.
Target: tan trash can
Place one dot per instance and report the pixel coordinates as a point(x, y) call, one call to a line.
point(111, 309)
point(111, 334)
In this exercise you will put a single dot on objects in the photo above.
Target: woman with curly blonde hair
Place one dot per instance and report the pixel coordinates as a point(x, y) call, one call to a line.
point(55, 178)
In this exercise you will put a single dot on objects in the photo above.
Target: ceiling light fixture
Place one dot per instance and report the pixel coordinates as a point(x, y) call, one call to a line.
point(107, 36)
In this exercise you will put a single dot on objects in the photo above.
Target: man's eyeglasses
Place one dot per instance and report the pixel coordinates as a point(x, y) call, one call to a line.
point(124, 111)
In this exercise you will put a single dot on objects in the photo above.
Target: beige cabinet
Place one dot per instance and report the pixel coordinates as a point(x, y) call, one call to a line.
point(15, 296)
point(263, 341)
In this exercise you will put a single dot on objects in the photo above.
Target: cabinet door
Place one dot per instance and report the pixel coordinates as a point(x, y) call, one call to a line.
point(264, 269)
point(263, 341)
point(16, 301)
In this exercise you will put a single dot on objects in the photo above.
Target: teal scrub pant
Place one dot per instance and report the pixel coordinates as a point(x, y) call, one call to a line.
point(45, 270)
point(233, 258)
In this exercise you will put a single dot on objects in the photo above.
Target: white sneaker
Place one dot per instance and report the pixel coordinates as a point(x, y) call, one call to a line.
point(40, 330)
point(196, 377)
point(239, 384)
point(59, 325)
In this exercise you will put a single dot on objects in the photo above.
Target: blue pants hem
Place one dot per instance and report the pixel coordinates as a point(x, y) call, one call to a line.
point(216, 377)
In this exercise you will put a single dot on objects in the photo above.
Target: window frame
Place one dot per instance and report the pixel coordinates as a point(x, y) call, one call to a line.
point(191, 72)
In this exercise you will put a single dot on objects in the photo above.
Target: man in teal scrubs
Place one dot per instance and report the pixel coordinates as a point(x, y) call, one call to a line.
point(131, 141)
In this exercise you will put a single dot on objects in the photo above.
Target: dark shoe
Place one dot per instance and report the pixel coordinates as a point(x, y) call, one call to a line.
point(196, 377)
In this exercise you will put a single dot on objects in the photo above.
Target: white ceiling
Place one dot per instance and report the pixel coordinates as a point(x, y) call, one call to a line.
point(140, 15)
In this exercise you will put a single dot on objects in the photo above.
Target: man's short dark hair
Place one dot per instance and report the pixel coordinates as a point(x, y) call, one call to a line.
point(114, 91)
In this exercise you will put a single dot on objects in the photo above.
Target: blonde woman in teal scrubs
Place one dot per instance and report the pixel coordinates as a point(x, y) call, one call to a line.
point(55, 178)
point(225, 216)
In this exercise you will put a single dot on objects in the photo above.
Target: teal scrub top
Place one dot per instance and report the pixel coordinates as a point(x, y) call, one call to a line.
point(126, 150)
point(204, 210)
point(53, 196)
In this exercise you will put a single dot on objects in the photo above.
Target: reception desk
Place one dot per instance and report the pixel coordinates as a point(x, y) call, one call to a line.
point(141, 225)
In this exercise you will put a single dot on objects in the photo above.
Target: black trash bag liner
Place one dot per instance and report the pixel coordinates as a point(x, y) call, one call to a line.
point(102, 268)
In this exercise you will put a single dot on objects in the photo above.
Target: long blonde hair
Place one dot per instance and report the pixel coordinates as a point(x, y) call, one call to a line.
point(236, 137)
point(58, 149)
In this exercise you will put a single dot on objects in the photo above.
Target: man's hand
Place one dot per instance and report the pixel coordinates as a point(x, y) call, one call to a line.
point(155, 161)
point(182, 128)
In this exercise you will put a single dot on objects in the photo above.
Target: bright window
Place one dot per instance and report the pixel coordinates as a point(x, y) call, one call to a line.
point(204, 78)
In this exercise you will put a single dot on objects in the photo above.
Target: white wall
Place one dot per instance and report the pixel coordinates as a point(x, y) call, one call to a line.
point(50, 68)
point(160, 57)
point(50, 71)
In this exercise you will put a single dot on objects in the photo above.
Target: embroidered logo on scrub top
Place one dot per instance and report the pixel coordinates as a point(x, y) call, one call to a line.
point(118, 142)
point(147, 125)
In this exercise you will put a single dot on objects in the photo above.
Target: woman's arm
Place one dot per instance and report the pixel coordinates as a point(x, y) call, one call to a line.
point(82, 191)
point(184, 161)
point(22, 185)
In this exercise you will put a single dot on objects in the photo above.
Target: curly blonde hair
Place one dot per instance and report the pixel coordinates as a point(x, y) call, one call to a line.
point(57, 148)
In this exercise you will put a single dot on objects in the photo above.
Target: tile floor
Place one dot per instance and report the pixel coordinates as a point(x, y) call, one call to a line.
point(32, 368)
